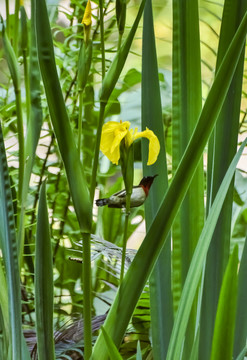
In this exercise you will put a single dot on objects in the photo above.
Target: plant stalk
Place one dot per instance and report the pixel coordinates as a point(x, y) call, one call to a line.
point(127, 213)
point(80, 122)
point(102, 37)
point(96, 151)
point(87, 301)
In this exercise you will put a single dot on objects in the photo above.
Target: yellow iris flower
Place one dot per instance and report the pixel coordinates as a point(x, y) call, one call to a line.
point(114, 132)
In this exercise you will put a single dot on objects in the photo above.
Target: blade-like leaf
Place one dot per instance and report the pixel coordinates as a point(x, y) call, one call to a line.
point(60, 120)
point(187, 103)
point(34, 127)
point(117, 65)
point(242, 354)
point(186, 107)
point(44, 282)
point(112, 350)
point(161, 306)
point(223, 338)
point(9, 248)
point(16, 78)
point(241, 316)
point(70, 155)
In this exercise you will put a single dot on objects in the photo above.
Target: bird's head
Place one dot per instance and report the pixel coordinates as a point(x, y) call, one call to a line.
point(146, 183)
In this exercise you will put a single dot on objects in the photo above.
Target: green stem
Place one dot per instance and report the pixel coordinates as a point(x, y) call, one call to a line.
point(87, 301)
point(80, 122)
point(119, 41)
point(96, 151)
point(7, 16)
point(20, 141)
point(127, 213)
point(102, 37)
point(16, 26)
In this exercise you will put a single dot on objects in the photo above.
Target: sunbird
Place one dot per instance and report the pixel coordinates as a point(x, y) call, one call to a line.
point(138, 196)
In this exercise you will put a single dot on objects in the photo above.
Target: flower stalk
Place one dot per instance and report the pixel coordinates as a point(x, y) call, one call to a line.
point(127, 167)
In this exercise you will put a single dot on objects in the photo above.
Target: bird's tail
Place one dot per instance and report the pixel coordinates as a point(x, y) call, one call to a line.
point(102, 202)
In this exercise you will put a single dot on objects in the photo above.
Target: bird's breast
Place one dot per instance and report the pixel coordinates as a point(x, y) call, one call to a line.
point(138, 197)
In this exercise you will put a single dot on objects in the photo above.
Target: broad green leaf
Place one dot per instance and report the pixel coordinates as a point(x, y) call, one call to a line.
point(44, 282)
point(222, 345)
point(161, 306)
point(136, 277)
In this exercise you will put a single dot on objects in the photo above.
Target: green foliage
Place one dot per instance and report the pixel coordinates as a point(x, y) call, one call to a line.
point(183, 295)
point(44, 282)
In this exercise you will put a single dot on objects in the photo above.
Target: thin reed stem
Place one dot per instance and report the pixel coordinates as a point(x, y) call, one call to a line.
point(80, 122)
point(102, 37)
point(87, 300)
point(7, 16)
point(20, 142)
point(96, 151)
point(16, 26)
point(127, 213)
point(27, 83)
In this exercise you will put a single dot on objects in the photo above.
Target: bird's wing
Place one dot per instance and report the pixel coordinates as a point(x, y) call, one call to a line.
point(120, 194)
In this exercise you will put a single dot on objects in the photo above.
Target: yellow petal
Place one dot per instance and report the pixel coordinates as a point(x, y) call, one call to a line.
point(129, 137)
point(112, 134)
point(154, 145)
point(87, 18)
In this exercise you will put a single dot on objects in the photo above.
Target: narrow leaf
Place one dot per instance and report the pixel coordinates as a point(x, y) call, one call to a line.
point(222, 346)
point(33, 130)
point(161, 306)
point(112, 349)
point(44, 282)
point(241, 316)
point(117, 65)
point(60, 120)
point(9, 248)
